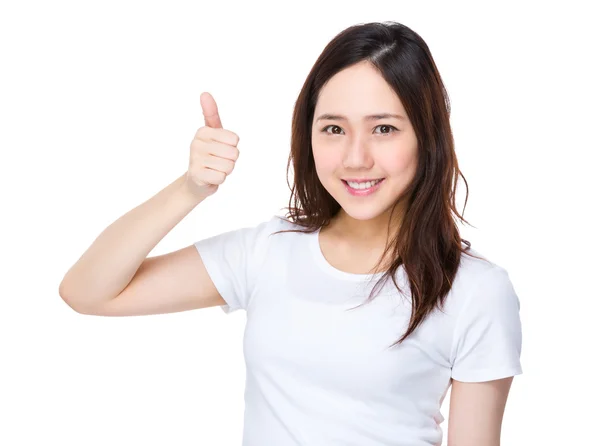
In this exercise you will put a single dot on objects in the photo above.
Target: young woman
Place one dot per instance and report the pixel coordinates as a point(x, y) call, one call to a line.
point(364, 305)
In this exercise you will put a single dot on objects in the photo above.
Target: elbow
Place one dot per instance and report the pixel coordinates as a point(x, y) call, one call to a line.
point(68, 298)
point(71, 304)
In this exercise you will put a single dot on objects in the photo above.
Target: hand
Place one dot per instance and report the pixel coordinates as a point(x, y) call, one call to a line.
point(213, 152)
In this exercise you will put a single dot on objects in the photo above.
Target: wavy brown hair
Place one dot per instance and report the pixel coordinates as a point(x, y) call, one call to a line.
point(427, 242)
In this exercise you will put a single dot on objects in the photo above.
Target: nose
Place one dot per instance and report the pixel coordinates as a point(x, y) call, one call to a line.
point(357, 154)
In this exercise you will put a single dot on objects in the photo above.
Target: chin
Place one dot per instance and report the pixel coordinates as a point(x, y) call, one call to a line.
point(364, 213)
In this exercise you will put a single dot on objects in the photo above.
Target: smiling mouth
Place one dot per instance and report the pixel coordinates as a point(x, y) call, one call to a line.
point(361, 182)
point(363, 185)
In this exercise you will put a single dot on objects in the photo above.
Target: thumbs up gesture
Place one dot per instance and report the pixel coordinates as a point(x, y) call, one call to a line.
point(213, 152)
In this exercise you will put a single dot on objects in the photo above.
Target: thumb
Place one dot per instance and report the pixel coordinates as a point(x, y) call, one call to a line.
point(210, 111)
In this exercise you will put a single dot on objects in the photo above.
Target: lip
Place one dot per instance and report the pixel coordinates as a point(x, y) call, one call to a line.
point(362, 192)
point(360, 180)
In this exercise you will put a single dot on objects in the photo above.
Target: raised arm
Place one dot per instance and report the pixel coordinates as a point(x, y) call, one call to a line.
point(115, 276)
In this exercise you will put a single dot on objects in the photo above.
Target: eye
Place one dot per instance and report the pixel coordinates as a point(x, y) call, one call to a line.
point(390, 128)
point(324, 129)
point(337, 130)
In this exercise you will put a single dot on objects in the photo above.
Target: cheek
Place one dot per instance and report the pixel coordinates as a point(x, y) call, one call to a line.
point(325, 160)
point(400, 161)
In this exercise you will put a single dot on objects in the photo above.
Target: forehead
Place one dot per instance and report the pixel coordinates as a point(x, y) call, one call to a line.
point(358, 90)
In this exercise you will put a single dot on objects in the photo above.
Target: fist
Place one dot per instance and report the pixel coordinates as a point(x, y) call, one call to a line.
point(213, 152)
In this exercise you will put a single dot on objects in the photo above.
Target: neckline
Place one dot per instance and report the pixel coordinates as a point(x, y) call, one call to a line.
point(328, 268)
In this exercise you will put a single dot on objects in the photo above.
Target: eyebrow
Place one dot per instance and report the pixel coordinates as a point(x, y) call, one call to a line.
point(366, 118)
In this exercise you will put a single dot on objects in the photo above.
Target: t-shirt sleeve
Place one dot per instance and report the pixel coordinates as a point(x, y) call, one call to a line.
point(233, 260)
point(487, 336)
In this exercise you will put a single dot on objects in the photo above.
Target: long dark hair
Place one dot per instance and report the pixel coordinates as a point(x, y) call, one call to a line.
point(427, 242)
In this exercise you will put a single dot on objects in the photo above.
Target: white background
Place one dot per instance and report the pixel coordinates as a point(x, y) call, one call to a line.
point(99, 103)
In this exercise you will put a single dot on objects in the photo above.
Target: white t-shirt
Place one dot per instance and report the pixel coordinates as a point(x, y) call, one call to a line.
point(319, 375)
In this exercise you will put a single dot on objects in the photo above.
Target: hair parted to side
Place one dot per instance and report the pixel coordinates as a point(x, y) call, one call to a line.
point(427, 242)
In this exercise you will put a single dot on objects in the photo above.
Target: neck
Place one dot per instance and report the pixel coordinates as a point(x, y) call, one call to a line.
point(374, 232)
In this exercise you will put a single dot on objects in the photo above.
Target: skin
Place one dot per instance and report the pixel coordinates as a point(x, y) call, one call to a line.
point(356, 147)
point(476, 412)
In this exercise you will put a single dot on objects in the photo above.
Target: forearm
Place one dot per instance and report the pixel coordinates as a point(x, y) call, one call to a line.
point(112, 260)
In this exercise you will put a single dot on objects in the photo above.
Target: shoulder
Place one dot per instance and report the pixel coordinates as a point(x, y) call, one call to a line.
point(267, 231)
point(266, 227)
point(481, 282)
point(251, 237)
point(280, 225)
point(474, 266)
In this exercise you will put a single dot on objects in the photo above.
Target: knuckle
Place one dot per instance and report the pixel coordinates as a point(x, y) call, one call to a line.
point(196, 153)
point(200, 133)
point(196, 145)
point(199, 177)
point(208, 134)
point(200, 159)
point(195, 168)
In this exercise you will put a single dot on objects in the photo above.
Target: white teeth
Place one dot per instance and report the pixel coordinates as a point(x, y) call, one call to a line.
point(365, 185)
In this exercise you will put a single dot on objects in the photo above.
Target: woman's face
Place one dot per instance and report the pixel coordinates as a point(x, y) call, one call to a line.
point(350, 143)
